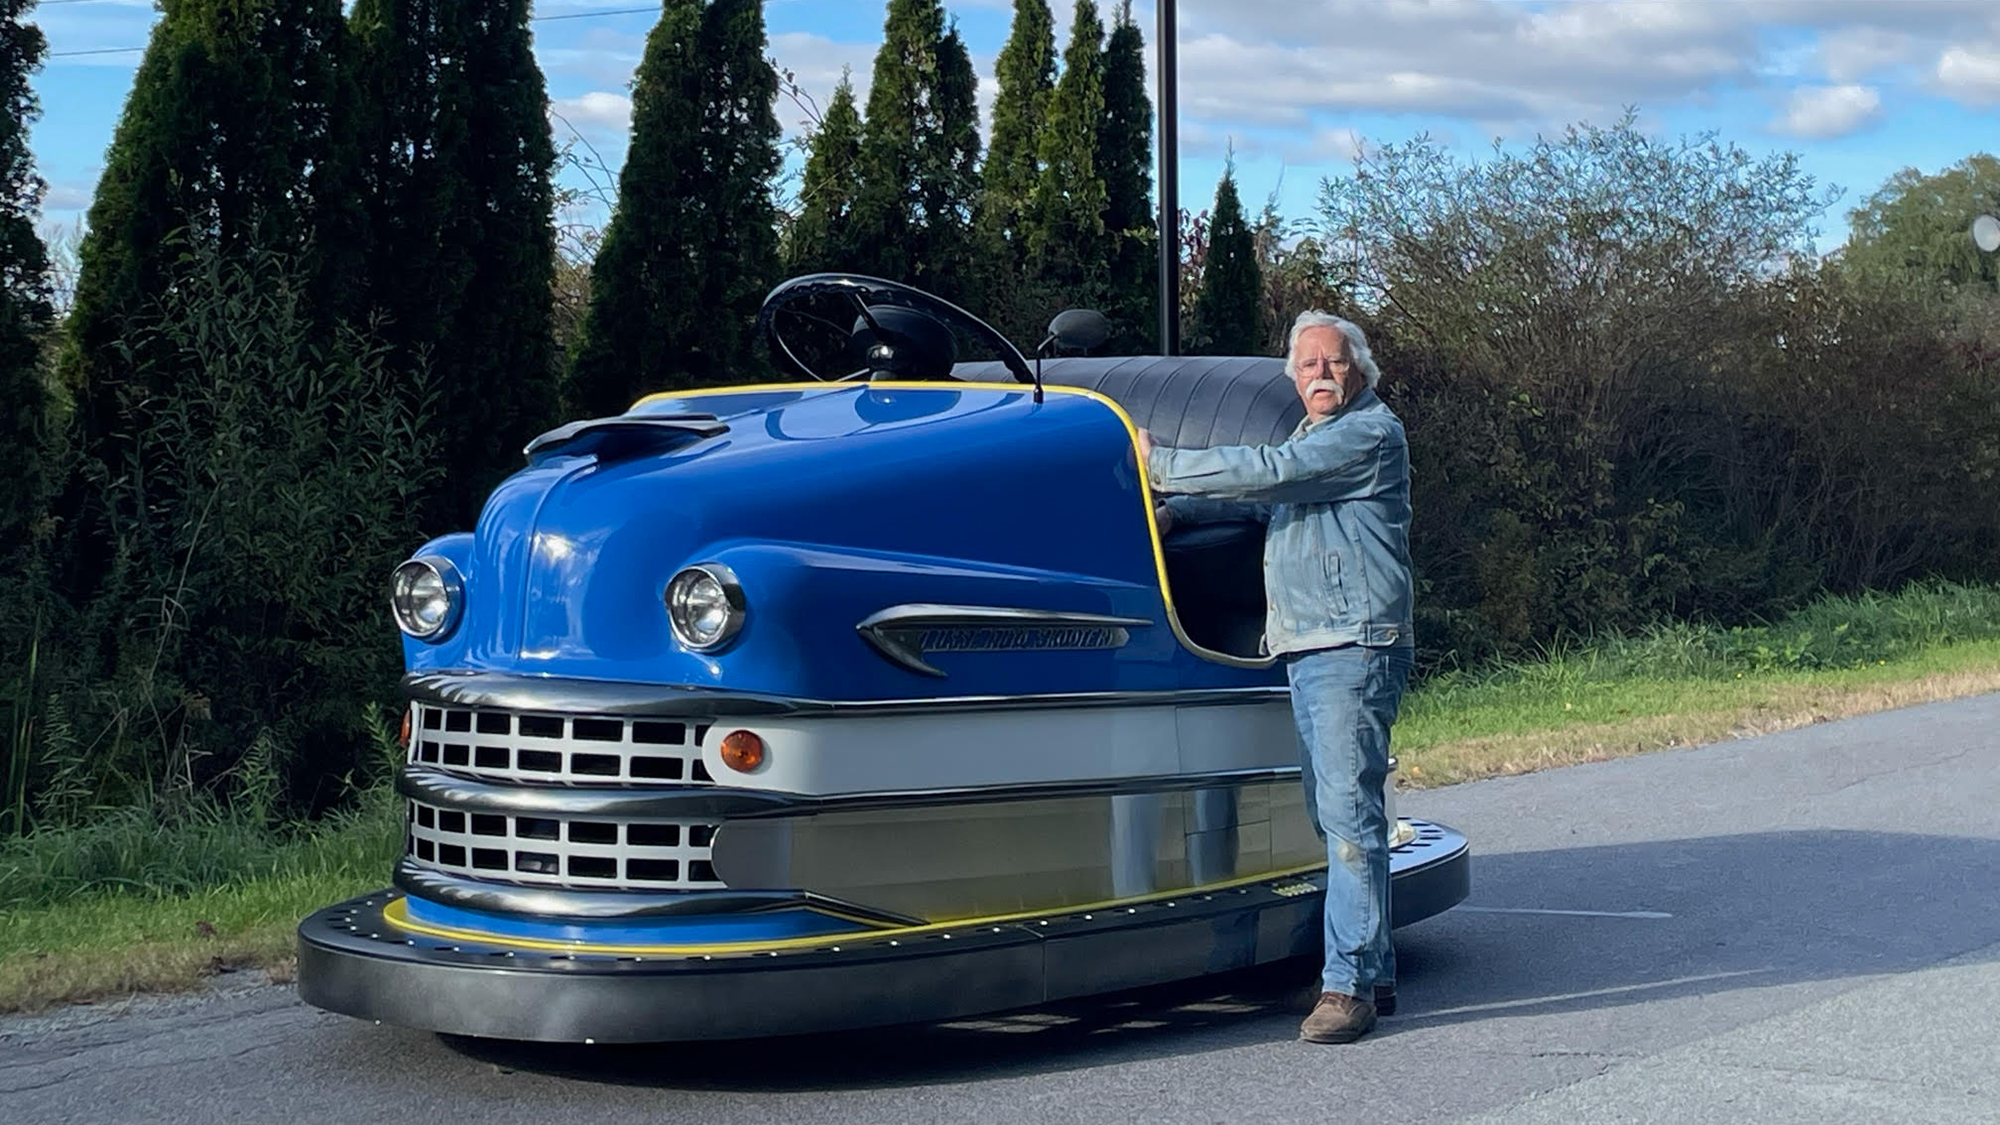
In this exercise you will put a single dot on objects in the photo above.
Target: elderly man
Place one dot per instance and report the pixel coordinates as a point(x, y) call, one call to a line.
point(1335, 500)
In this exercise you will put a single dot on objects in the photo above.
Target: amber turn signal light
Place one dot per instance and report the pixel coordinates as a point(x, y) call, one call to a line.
point(742, 751)
point(409, 714)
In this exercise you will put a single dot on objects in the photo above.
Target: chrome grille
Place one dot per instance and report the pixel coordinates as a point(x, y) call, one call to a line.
point(559, 749)
point(583, 853)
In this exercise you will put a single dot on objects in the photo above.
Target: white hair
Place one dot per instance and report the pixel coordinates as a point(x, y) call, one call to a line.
point(1357, 343)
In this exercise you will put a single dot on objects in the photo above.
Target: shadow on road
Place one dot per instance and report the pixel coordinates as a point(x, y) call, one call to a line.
point(1218, 1011)
point(1745, 911)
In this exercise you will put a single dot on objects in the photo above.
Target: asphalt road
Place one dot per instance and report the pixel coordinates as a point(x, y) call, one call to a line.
point(1800, 927)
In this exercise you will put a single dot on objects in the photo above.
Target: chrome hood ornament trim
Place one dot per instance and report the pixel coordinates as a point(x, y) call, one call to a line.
point(906, 634)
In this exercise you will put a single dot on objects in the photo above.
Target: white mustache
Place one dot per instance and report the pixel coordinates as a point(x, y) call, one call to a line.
point(1328, 385)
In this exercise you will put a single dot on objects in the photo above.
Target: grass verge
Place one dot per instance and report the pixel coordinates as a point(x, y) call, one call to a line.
point(74, 931)
point(127, 905)
point(1494, 729)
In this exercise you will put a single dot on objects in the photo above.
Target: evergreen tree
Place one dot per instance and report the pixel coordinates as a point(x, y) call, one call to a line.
point(1025, 79)
point(236, 137)
point(919, 174)
point(951, 196)
point(1065, 222)
point(1125, 160)
point(692, 246)
point(25, 310)
point(822, 238)
point(1228, 310)
point(456, 160)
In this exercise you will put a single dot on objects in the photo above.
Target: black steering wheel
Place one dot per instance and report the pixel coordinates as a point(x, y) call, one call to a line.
point(866, 291)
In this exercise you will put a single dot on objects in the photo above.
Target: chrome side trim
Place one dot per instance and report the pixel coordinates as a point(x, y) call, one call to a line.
point(591, 697)
point(445, 790)
point(606, 697)
point(464, 794)
point(419, 881)
point(905, 634)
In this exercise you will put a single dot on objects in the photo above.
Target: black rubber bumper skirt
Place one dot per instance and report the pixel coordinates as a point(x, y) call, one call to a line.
point(353, 961)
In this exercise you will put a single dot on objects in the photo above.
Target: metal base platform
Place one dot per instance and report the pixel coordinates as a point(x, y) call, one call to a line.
point(352, 960)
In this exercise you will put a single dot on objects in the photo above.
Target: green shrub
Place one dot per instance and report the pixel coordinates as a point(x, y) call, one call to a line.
point(192, 844)
point(240, 630)
point(1635, 396)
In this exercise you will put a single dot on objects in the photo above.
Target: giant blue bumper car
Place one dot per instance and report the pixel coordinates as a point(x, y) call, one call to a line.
point(798, 707)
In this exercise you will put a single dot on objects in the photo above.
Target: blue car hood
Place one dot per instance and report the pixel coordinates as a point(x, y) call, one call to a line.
point(831, 502)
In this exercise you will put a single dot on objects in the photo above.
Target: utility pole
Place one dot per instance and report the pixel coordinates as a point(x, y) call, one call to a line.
point(1170, 207)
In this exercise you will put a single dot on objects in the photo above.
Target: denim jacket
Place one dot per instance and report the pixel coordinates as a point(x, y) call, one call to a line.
point(1335, 501)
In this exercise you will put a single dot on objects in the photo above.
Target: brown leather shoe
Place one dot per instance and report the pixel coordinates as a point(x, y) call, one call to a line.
point(1385, 997)
point(1338, 1018)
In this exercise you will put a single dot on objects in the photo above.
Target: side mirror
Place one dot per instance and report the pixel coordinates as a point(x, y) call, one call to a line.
point(1078, 329)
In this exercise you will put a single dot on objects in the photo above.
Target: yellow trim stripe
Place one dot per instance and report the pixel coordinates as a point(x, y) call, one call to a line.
point(1131, 434)
point(397, 914)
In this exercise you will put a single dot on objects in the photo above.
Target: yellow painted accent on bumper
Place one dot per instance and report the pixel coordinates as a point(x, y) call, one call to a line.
point(397, 914)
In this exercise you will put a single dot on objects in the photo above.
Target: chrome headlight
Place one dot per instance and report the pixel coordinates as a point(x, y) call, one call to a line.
point(705, 606)
point(427, 595)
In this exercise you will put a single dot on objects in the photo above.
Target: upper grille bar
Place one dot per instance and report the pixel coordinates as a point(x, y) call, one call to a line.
point(557, 749)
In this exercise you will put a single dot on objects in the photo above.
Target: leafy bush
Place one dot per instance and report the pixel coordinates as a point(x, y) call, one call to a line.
point(1635, 396)
point(235, 640)
point(199, 843)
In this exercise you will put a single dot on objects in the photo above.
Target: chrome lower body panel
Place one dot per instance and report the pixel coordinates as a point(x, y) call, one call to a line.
point(354, 959)
point(942, 861)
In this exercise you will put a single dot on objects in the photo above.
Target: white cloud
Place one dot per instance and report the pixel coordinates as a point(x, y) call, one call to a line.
point(598, 113)
point(816, 64)
point(1322, 150)
point(1823, 112)
point(67, 197)
point(1330, 146)
point(1282, 77)
point(1294, 67)
point(600, 56)
point(1971, 74)
point(1851, 54)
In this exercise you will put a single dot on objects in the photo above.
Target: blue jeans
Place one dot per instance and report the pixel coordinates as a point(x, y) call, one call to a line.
point(1345, 700)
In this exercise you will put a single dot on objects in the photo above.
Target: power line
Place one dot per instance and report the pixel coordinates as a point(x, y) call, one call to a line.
point(531, 19)
point(588, 15)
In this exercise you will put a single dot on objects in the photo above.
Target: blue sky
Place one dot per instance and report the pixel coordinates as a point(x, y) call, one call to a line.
point(1858, 88)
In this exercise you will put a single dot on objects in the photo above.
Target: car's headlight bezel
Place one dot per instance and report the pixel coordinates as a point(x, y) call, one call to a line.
point(735, 606)
point(454, 593)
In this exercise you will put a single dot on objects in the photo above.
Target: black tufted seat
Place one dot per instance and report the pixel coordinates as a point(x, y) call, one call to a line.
point(1216, 571)
point(1192, 402)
